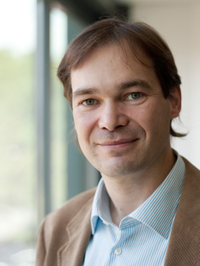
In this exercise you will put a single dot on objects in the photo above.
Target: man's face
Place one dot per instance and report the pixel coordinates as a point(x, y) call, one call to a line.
point(121, 116)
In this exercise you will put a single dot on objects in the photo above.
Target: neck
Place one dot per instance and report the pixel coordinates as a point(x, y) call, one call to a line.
point(128, 192)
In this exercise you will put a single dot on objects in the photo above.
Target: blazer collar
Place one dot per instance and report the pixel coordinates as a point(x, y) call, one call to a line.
point(79, 232)
point(184, 243)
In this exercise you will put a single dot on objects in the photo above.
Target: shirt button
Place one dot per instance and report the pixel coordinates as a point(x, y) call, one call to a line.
point(118, 251)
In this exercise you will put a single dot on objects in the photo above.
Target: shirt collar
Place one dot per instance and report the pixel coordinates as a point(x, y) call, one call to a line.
point(101, 206)
point(157, 212)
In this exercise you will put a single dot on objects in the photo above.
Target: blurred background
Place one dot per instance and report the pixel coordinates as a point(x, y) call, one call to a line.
point(40, 167)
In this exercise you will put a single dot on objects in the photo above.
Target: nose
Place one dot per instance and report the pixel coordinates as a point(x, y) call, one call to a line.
point(112, 116)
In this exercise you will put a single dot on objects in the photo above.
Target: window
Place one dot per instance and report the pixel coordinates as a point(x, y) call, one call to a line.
point(18, 214)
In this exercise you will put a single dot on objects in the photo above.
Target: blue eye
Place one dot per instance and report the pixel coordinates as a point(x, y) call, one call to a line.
point(135, 95)
point(89, 102)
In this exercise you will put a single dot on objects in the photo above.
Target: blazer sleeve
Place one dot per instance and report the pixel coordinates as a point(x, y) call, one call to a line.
point(40, 249)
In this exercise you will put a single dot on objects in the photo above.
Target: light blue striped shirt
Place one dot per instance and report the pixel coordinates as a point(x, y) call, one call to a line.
point(142, 237)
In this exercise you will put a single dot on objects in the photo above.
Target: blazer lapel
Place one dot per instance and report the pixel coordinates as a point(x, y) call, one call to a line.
point(184, 244)
point(79, 232)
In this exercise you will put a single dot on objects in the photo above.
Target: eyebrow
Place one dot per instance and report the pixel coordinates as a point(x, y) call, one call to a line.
point(121, 86)
point(84, 91)
point(134, 83)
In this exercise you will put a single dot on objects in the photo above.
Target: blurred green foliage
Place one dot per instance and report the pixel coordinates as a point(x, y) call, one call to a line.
point(17, 133)
point(18, 149)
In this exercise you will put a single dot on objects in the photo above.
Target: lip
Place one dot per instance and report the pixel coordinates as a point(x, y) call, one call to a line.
point(117, 143)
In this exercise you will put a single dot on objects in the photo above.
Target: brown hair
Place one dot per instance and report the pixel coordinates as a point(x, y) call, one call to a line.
point(136, 35)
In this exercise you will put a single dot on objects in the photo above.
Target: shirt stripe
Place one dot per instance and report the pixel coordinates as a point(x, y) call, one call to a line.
point(143, 236)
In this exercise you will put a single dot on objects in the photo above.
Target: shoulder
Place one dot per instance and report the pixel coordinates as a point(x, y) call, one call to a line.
point(53, 234)
point(53, 228)
point(190, 197)
point(66, 212)
point(192, 172)
point(191, 186)
point(185, 235)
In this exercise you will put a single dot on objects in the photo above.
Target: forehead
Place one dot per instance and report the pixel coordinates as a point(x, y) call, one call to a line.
point(110, 65)
point(123, 50)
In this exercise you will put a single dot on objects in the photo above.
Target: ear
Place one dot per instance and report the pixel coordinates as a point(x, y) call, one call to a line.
point(175, 102)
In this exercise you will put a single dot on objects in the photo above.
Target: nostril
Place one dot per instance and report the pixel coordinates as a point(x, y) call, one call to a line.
point(111, 118)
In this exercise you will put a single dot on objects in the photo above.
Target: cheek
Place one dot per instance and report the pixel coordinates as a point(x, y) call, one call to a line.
point(84, 124)
point(153, 118)
point(159, 121)
point(143, 116)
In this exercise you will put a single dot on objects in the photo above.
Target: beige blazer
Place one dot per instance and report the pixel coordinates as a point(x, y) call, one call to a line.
point(65, 233)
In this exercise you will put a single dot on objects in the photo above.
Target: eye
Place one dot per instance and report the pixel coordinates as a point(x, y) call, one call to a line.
point(89, 102)
point(134, 96)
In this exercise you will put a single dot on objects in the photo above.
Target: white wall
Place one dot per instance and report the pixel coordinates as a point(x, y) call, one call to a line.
point(179, 24)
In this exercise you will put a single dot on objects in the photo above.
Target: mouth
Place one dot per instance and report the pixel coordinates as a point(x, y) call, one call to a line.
point(117, 143)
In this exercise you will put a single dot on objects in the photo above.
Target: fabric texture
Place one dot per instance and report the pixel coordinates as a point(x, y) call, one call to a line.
point(142, 237)
point(65, 233)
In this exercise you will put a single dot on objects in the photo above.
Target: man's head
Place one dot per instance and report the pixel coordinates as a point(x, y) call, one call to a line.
point(143, 42)
point(121, 117)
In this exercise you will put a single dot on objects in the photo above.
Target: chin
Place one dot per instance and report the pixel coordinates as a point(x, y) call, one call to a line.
point(117, 168)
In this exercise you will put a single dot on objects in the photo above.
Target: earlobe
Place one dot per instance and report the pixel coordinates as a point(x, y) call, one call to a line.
point(175, 102)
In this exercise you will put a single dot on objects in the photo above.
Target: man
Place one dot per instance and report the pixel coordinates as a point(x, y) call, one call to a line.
point(123, 87)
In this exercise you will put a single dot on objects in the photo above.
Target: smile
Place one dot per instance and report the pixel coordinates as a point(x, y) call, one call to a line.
point(117, 143)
